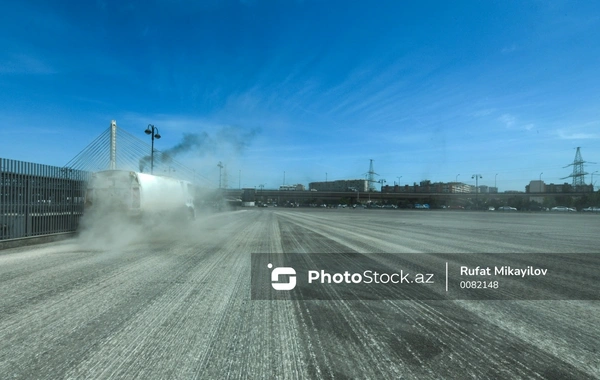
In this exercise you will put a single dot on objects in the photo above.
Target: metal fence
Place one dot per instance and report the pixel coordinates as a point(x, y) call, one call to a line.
point(38, 199)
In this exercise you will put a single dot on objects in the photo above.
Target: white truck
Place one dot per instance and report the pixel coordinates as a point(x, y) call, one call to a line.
point(139, 194)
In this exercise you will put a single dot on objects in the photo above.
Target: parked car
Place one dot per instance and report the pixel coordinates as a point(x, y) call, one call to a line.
point(537, 208)
point(563, 209)
point(506, 208)
point(591, 209)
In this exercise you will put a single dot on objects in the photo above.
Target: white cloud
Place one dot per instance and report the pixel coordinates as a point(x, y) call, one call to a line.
point(508, 120)
point(577, 136)
point(579, 131)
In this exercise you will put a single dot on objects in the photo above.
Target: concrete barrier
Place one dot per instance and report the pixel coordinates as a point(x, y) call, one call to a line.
point(13, 243)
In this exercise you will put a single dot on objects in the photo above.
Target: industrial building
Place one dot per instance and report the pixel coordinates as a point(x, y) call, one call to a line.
point(297, 187)
point(360, 185)
point(427, 187)
point(541, 187)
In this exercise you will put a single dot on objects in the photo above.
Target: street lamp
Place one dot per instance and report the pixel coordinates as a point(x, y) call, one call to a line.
point(152, 130)
point(399, 180)
point(381, 181)
point(476, 177)
point(355, 189)
point(593, 180)
point(496, 186)
point(220, 165)
point(456, 179)
point(261, 192)
point(541, 176)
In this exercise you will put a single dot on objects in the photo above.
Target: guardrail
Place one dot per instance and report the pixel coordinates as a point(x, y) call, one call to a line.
point(38, 199)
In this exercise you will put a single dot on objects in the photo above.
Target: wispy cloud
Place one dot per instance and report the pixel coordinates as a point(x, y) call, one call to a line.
point(577, 135)
point(509, 49)
point(483, 112)
point(25, 64)
point(172, 122)
point(579, 131)
point(508, 120)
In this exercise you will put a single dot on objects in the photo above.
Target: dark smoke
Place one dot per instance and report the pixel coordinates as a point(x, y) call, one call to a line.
point(159, 158)
point(144, 162)
point(203, 143)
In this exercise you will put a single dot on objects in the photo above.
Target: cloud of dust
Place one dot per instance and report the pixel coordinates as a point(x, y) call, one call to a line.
point(110, 230)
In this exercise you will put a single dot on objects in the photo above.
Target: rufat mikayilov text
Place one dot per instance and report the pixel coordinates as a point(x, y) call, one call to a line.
point(504, 270)
point(369, 277)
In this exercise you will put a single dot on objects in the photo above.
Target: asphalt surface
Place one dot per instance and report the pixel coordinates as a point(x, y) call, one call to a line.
point(173, 301)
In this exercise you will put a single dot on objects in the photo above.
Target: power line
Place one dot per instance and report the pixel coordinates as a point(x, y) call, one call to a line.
point(579, 173)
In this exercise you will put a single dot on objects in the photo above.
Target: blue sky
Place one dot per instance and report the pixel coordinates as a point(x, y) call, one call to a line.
point(428, 90)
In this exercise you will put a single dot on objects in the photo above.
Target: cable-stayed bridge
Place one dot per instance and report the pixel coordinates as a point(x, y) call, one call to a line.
point(117, 149)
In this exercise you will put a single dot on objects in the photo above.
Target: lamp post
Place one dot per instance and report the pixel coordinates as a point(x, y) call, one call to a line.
point(455, 183)
point(355, 189)
point(593, 180)
point(381, 181)
point(476, 176)
point(541, 176)
point(495, 185)
point(399, 180)
point(153, 131)
point(220, 165)
point(261, 192)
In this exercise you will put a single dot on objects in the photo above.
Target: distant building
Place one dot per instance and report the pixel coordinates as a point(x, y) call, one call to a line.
point(459, 187)
point(360, 185)
point(248, 195)
point(535, 187)
point(427, 187)
point(297, 187)
point(558, 188)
